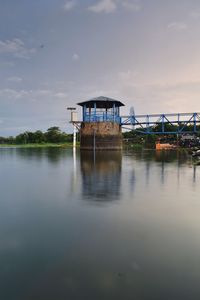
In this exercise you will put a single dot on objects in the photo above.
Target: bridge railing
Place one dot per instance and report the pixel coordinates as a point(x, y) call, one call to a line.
point(179, 122)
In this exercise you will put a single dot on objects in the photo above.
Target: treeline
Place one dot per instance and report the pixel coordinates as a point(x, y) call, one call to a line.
point(137, 136)
point(52, 135)
point(158, 128)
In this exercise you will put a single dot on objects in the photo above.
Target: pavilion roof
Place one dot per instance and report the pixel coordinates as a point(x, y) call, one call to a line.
point(101, 102)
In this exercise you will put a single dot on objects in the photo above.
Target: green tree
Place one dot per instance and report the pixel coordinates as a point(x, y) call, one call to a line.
point(53, 135)
point(39, 137)
point(22, 138)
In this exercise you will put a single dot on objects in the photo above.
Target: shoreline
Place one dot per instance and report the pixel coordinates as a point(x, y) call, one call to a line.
point(45, 145)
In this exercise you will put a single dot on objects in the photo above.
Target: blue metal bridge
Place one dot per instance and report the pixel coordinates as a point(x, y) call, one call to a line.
point(104, 109)
point(179, 123)
point(152, 123)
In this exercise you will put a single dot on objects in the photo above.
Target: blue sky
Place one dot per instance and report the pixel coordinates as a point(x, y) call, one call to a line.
point(56, 53)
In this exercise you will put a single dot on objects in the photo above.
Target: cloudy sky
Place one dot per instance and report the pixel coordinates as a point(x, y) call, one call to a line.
point(55, 53)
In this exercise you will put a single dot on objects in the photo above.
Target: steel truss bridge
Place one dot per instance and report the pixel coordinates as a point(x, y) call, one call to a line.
point(179, 122)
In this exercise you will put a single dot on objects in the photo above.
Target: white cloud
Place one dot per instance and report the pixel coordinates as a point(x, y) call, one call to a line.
point(75, 57)
point(13, 94)
point(69, 5)
point(15, 79)
point(42, 92)
point(16, 48)
point(9, 64)
point(195, 14)
point(178, 26)
point(127, 77)
point(105, 6)
point(32, 95)
point(61, 95)
point(131, 5)
point(110, 6)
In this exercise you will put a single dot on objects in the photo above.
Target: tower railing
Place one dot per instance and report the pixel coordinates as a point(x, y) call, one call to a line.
point(101, 117)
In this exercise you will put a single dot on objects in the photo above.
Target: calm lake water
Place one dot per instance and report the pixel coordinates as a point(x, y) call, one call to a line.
point(110, 226)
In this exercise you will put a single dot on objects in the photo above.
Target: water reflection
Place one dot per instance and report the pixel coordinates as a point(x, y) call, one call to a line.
point(164, 159)
point(61, 247)
point(74, 173)
point(101, 175)
point(52, 155)
point(170, 156)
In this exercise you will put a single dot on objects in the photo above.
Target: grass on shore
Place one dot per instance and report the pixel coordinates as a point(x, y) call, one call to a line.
point(37, 145)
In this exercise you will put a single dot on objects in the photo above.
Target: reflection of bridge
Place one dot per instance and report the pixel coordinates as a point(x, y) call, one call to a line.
point(179, 123)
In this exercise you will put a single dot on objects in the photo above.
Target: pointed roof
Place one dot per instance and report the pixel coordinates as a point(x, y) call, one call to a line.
point(101, 102)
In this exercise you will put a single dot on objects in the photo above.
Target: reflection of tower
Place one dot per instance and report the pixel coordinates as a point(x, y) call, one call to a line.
point(194, 174)
point(101, 175)
point(74, 172)
point(147, 173)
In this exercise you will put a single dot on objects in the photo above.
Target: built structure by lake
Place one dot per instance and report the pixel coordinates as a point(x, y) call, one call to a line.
point(101, 124)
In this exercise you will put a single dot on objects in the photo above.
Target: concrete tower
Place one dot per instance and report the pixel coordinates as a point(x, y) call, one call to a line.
point(100, 128)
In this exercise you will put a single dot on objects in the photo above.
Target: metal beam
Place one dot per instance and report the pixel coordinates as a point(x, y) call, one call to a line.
point(147, 122)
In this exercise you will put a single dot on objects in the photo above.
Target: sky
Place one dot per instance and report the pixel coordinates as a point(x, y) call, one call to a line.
point(55, 53)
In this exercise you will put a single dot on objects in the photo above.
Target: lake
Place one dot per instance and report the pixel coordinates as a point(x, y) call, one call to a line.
point(106, 225)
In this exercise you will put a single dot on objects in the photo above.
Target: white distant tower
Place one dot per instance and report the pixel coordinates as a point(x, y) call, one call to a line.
point(132, 116)
point(74, 119)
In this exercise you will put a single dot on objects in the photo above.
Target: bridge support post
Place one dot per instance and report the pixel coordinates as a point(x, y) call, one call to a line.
point(163, 123)
point(195, 122)
point(147, 124)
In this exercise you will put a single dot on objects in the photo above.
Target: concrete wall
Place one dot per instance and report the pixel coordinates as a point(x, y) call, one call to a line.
point(105, 136)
